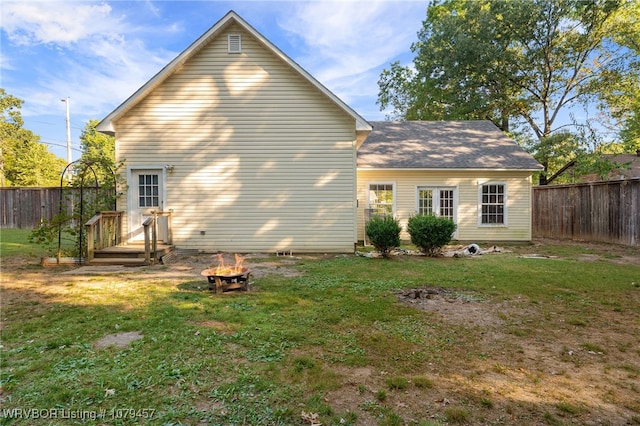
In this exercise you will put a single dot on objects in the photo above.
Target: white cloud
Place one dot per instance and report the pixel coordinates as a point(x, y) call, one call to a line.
point(349, 42)
point(7, 63)
point(98, 60)
point(29, 23)
point(152, 8)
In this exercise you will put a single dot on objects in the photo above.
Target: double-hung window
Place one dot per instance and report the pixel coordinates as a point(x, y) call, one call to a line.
point(493, 203)
point(381, 199)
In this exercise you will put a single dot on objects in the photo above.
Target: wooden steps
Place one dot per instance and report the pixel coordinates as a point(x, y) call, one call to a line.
point(121, 261)
point(128, 255)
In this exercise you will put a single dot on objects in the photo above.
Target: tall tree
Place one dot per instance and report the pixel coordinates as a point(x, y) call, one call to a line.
point(98, 150)
point(620, 92)
point(24, 161)
point(522, 62)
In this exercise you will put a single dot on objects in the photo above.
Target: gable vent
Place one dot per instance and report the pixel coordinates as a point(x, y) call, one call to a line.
point(235, 43)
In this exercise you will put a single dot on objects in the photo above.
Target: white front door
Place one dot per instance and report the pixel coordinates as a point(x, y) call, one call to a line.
point(146, 188)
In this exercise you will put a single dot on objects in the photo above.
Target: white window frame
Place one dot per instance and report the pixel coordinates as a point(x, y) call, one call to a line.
point(393, 191)
point(436, 199)
point(505, 209)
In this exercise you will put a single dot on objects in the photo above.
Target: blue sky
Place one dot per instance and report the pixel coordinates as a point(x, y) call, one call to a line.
point(98, 53)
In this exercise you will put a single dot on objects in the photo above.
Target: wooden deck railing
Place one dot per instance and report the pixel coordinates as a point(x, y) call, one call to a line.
point(150, 226)
point(103, 230)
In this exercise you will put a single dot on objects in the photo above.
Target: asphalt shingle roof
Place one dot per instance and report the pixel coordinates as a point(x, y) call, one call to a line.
point(442, 145)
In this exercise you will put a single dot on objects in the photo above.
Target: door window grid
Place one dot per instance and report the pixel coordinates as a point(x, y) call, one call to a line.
point(148, 191)
point(446, 203)
point(436, 201)
point(425, 201)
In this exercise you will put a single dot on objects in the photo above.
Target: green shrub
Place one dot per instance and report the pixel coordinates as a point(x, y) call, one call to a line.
point(383, 233)
point(430, 233)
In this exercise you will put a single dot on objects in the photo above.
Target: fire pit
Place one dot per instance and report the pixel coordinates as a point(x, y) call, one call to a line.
point(224, 278)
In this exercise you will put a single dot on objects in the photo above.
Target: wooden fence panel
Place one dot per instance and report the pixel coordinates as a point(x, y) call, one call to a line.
point(26, 208)
point(597, 211)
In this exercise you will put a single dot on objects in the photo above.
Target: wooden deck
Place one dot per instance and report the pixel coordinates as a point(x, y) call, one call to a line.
point(129, 254)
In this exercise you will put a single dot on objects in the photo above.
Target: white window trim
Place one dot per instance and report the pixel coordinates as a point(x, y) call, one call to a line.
point(505, 223)
point(393, 189)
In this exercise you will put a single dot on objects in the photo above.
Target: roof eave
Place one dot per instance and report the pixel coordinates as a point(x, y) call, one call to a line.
point(106, 127)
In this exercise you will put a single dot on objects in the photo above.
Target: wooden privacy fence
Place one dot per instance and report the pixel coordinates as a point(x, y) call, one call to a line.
point(26, 208)
point(597, 211)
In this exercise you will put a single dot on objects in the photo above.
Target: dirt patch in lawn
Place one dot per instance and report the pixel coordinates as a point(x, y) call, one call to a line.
point(219, 326)
point(455, 306)
point(120, 340)
point(525, 357)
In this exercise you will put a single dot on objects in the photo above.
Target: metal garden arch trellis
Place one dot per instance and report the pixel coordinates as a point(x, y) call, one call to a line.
point(83, 167)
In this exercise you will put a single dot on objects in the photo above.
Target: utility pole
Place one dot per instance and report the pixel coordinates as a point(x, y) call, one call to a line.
point(66, 101)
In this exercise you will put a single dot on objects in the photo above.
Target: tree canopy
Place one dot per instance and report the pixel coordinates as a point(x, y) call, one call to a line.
point(99, 150)
point(523, 64)
point(620, 93)
point(24, 161)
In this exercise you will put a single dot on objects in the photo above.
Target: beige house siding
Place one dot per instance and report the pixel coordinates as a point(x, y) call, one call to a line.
point(262, 160)
point(466, 184)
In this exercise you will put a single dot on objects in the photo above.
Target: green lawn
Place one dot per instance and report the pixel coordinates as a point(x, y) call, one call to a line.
point(15, 242)
point(332, 344)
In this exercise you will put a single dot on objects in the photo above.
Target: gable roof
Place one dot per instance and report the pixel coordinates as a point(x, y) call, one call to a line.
point(471, 145)
point(106, 125)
